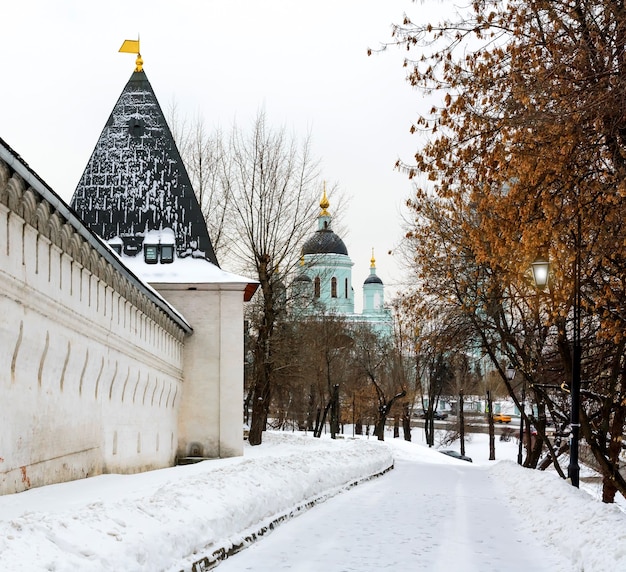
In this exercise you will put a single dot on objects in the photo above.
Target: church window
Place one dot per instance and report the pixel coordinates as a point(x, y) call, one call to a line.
point(345, 288)
point(317, 286)
point(333, 287)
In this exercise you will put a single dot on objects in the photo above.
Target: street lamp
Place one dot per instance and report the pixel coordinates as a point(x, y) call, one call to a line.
point(540, 269)
point(510, 375)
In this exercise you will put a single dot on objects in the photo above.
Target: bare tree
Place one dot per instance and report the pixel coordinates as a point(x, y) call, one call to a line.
point(259, 190)
point(310, 371)
point(373, 357)
point(405, 363)
point(273, 189)
point(208, 168)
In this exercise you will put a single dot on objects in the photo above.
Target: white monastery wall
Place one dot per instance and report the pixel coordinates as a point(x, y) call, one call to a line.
point(91, 361)
point(211, 418)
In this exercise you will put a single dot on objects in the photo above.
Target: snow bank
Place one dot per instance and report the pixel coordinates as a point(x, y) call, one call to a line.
point(589, 533)
point(166, 517)
point(166, 520)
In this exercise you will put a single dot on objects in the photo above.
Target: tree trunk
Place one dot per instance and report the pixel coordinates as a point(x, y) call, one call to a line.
point(429, 428)
point(406, 422)
point(608, 467)
point(379, 430)
point(246, 406)
point(260, 408)
point(263, 358)
point(383, 411)
point(563, 448)
point(322, 422)
point(317, 426)
point(609, 485)
point(534, 446)
point(334, 412)
point(396, 427)
point(492, 439)
point(310, 426)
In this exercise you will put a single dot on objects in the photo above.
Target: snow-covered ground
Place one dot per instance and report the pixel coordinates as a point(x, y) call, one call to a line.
point(489, 513)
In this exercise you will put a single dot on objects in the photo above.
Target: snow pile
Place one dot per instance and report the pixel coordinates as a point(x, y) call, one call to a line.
point(153, 521)
point(589, 533)
point(166, 520)
point(187, 270)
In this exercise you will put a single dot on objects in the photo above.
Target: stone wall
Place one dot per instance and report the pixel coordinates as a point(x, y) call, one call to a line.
point(211, 416)
point(91, 360)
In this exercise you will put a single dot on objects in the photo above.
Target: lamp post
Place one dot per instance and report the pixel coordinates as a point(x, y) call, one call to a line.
point(510, 375)
point(540, 269)
point(573, 470)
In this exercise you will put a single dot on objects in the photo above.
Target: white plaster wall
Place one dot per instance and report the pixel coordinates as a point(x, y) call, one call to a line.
point(231, 374)
point(211, 412)
point(88, 383)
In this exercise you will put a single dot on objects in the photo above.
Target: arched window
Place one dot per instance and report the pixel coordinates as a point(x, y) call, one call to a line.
point(333, 287)
point(345, 289)
point(317, 286)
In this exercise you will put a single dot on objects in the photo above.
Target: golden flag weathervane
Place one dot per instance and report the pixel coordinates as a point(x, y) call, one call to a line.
point(132, 47)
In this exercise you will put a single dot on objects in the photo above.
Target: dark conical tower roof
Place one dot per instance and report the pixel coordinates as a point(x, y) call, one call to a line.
point(135, 180)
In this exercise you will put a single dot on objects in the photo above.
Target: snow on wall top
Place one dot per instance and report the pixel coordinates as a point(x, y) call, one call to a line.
point(188, 270)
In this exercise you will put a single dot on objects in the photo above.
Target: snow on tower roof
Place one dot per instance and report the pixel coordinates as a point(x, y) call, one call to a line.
point(135, 181)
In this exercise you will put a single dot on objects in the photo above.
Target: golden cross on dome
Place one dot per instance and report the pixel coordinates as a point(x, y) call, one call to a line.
point(324, 204)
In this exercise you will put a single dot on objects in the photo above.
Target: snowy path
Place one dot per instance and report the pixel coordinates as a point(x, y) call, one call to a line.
point(417, 517)
point(431, 513)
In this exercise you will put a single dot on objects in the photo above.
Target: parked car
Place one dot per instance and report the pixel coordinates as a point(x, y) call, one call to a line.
point(501, 418)
point(436, 415)
point(456, 455)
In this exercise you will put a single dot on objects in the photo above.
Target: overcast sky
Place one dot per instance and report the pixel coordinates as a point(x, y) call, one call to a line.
point(304, 63)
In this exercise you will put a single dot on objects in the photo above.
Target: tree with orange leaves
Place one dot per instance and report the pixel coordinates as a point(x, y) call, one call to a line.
point(526, 155)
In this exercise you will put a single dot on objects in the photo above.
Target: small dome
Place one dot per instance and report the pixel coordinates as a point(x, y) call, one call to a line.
point(302, 278)
point(324, 241)
point(373, 279)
